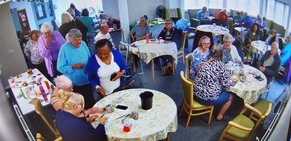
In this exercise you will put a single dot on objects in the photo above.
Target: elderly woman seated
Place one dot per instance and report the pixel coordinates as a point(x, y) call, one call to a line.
point(71, 121)
point(200, 54)
point(63, 83)
point(230, 52)
point(211, 80)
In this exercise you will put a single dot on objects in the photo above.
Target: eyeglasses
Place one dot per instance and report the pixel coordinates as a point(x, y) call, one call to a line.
point(206, 43)
point(168, 23)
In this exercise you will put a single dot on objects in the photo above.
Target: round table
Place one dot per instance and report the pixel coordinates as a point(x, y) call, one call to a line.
point(259, 47)
point(251, 88)
point(215, 29)
point(153, 124)
point(153, 49)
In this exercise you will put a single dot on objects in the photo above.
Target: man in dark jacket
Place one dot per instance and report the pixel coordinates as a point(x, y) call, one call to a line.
point(270, 63)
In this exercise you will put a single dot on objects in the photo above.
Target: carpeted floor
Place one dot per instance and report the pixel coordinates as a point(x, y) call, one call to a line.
point(198, 129)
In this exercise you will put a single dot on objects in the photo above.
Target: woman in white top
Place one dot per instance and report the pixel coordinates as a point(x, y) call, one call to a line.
point(230, 52)
point(106, 68)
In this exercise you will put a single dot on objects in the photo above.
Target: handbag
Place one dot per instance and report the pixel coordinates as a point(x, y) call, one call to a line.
point(167, 70)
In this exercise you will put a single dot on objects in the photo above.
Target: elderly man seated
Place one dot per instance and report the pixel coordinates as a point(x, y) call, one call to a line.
point(230, 52)
point(103, 34)
point(139, 31)
point(202, 16)
point(270, 63)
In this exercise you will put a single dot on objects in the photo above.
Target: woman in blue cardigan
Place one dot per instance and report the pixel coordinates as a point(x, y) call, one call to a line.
point(106, 68)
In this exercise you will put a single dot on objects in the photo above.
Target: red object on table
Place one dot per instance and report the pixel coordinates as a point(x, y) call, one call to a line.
point(126, 128)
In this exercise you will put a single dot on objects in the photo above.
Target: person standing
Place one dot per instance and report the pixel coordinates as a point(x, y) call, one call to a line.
point(106, 68)
point(50, 43)
point(32, 53)
point(72, 61)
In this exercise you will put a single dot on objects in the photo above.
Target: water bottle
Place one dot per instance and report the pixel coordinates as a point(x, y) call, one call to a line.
point(43, 93)
point(22, 93)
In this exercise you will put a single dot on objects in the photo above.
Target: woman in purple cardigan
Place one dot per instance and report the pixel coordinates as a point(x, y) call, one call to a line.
point(106, 68)
point(49, 44)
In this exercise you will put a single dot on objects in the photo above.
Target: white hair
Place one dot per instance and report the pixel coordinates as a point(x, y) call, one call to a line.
point(67, 17)
point(63, 82)
point(46, 27)
point(228, 37)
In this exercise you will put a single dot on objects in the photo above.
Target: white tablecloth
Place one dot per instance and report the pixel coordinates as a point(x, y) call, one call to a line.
point(251, 88)
point(215, 29)
point(153, 124)
point(149, 51)
point(23, 103)
point(259, 47)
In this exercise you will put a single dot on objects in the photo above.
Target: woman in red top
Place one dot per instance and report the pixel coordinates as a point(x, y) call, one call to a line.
point(221, 15)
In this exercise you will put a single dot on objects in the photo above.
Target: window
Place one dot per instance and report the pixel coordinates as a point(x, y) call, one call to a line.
point(251, 6)
point(274, 7)
point(198, 4)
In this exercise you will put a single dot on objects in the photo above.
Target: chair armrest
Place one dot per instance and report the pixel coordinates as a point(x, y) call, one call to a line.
point(247, 106)
point(239, 126)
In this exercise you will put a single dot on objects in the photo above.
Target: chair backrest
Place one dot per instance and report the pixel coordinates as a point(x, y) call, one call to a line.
point(194, 22)
point(117, 36)
point(187, 88)
point(40, 110)
point(259, 111)
point(239, 46)
point(183, 39)
point(39, 137)
point(197, 37)
point(188, 61)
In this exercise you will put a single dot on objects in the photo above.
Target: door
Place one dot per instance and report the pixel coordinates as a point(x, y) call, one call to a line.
point(24, 24)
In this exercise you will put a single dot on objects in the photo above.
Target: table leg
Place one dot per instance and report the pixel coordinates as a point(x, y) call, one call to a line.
point(168, 137)
point(133, 62)
point(153, 70)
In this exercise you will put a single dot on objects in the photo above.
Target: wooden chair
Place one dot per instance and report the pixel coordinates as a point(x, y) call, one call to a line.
point(181, 51)
point(40, 110)
point(189, 105)
point(259, 111)
point(39, 137)
point(241, 127)
point(188, 59)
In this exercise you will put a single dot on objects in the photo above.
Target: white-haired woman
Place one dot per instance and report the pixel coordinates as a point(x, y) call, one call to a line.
point(49, 44)
point(68, 23)
point(63, 83)
point(71, 120)
point(72, 61)
point(230, 52)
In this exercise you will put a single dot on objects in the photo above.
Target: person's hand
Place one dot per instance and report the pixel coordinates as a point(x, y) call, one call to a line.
point(94, 110)
point(133, 39)
point(48, 39)
point(241, 64)
point(119, 74)
point(91, 118)
point(101, 91)
point(77, 66)
point(102, 120)
point(262, 69)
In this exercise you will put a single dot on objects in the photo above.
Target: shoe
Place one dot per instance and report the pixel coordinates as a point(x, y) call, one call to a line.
point(224, 118)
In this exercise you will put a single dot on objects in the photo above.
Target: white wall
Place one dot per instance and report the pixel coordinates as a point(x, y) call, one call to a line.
point(11, 57)
point(138, 8)
point(110, 7)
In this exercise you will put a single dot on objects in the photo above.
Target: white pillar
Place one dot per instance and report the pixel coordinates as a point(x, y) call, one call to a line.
point(124, 17)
